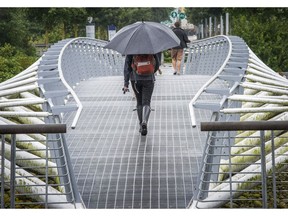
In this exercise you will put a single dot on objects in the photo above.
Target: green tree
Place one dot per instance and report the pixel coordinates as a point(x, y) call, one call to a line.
point(68, 19)
point(14, 29)
point(121, 17)
point(15, 42)
point(265, 32)
point(263, 29)
point(12, 61)
point(41, 16)
point(197, 15)
point(58, 23)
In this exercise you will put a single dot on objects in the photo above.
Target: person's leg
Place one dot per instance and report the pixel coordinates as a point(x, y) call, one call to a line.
point(174, 59)
point(179, 60)
point(174, 66)
point(147, 91)
point(178, 66)
point(138, 93)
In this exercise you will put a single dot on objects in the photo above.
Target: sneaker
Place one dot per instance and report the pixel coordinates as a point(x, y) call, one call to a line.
point(178, 73)
point(160, 72)
point(175, 73)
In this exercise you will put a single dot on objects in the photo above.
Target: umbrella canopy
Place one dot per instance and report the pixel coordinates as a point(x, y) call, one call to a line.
point(143, 38)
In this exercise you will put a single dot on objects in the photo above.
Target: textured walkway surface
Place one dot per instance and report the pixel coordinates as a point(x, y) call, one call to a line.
point(115, 167)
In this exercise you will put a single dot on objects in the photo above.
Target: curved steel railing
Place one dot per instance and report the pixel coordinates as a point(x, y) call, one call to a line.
point(77, 59)
point(242, 89)
point(221, 67)
point(212, 79)
point(39, 95)
point(237, 75)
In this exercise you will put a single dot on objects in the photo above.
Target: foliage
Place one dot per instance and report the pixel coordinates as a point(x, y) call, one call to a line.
point(121, 17)
point(265, 32)
point(12, 61)
point(20, 28)
point(21, 201)
point(65, 21)
point(263, 29)
point(70, 22)
point(167, 56)
point(14, 30)
point(253, 198)
point(198, 15)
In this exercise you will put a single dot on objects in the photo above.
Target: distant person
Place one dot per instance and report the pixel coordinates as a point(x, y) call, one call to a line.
point(139, 70)
point(177, 52)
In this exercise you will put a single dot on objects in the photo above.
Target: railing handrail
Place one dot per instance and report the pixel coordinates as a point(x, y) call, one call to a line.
point(200, 91)
point(245, 125)
point(36, 128)
point(68, 87)
point(245, 164)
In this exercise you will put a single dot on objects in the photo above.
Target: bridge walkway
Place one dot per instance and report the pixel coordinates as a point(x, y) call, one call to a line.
point(116, 167)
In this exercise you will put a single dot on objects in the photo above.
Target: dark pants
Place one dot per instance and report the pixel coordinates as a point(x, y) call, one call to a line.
point(143, 91)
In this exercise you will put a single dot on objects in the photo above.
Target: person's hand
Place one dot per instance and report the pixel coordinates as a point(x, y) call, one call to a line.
point(125, 89)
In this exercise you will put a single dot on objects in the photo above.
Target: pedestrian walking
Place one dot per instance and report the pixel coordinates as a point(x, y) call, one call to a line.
point(142, 42)
point(143, 86)
point(178, 51)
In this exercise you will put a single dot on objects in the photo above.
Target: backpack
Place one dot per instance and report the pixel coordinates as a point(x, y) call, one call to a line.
point(143, 64)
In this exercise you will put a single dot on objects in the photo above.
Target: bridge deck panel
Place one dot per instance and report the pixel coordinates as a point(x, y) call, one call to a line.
point(115, 167)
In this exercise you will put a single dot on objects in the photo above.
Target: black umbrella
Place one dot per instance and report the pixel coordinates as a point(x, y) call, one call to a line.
point(143, 38)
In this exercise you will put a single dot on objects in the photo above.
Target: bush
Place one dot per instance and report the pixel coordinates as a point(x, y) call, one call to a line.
point(167, 56)
point(13, 61)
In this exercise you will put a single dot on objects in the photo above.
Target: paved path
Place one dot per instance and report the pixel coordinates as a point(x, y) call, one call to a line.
point(115, 167)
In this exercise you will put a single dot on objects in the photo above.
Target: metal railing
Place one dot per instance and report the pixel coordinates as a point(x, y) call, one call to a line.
point(239, 80)
point(67, 63)
point(226, 59)
point(39, 95)
point(242, 89)
point(245, 165)
point(35, 170)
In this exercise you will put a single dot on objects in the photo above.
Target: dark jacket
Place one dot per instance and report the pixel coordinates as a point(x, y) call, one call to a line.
point(129, 74)
point(181, 34)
